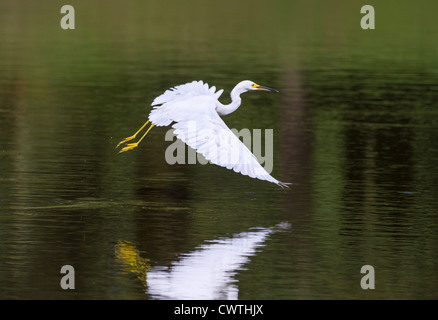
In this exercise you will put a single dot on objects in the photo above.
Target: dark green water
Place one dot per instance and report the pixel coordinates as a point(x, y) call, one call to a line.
point(355, 130)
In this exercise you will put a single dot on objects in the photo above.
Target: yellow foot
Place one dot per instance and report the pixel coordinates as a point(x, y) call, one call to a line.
point(130, 146)
point(126, 140)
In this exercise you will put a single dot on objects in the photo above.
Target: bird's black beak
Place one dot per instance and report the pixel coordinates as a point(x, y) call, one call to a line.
point(267, 89)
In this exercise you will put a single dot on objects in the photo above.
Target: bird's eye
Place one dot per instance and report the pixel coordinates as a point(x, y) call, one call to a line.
point(255, 86)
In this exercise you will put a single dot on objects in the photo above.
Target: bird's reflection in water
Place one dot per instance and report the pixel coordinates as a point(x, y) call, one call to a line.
point(129, 257)
point(207, 272)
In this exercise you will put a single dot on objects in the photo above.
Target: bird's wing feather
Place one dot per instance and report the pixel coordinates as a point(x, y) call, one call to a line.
point(186, 91)
point(208, 134)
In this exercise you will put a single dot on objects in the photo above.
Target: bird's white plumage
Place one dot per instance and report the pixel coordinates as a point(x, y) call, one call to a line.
point(185, 91)
point(192, 107)
point(174, 104)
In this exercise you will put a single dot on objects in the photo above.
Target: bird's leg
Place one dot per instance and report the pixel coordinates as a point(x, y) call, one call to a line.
point(131, 146)
point(133, 136)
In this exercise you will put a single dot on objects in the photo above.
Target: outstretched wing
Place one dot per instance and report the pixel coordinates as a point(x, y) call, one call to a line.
point(186, 91)
point(182, 102)
point(208, 134)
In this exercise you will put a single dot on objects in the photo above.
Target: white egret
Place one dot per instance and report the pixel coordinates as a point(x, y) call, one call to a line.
point(194, 110)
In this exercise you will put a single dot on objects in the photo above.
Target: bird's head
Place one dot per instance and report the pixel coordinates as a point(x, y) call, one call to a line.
point(248, 85)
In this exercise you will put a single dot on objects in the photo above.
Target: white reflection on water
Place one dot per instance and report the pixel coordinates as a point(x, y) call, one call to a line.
point(207, 272)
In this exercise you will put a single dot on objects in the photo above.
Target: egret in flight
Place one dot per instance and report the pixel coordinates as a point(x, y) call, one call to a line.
point(195, 111)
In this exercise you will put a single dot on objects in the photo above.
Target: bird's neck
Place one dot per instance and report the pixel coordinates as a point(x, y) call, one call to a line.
point(224, 109)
